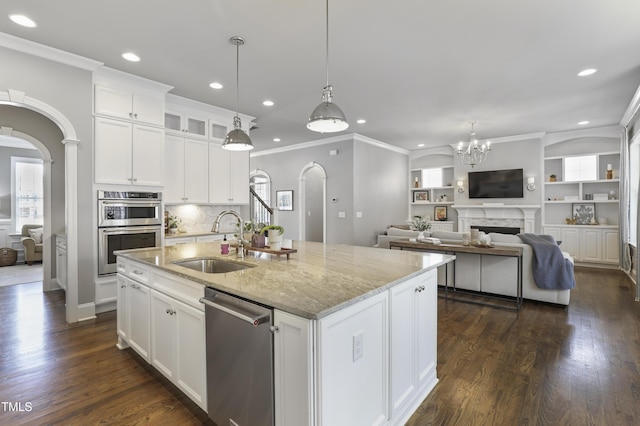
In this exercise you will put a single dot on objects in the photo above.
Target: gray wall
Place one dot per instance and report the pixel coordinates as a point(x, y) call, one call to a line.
point(69, 90)
point(361, 178)
point(284, 168)
point(5, 172)
point(380, 191)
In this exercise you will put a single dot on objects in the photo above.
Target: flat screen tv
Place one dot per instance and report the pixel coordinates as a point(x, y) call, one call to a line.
point(496, 184)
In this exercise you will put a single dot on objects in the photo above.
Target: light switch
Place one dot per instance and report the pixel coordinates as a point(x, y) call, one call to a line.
point(358, 214)
point(342, 214)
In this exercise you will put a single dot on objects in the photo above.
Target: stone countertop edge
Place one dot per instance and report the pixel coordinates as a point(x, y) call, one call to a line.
point(195, 234)
point(318, 280)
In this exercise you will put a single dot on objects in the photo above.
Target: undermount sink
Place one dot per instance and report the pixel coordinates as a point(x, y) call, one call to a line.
point(212, 265)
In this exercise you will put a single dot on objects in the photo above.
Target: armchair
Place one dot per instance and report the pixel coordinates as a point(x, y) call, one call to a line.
point(32, 242)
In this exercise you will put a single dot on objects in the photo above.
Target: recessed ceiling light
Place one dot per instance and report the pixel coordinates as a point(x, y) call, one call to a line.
point(582, 123)
point(276, 139)
point(420, 145)
point(267, 103)
point(23, 20)
point(361, 121)
point(131, 57)
point(587, 72)
point(216, 85)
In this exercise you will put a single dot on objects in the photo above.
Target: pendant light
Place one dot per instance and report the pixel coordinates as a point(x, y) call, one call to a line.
point(237, 139)
point(327, 117)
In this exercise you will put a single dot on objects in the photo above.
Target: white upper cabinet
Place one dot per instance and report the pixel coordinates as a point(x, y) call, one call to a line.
point(186, 170)
point(228, 176)
point(187, 123)
point(127, 153)
point(124, 104)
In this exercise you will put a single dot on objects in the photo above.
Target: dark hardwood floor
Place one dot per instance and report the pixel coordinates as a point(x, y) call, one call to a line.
point(542, 366)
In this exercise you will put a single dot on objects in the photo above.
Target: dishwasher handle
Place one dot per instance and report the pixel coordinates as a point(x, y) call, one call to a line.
point(253, 320)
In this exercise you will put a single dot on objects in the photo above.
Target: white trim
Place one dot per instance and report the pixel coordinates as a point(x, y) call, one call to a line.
point(383, 145)
point(70, 141)
point(174, 100)
point(612, 132)
point(632, 109)
point(107, 76)
point(301, 201)
point(303, 145)
point(86, 311)
point(504, 139)
point(41, 51)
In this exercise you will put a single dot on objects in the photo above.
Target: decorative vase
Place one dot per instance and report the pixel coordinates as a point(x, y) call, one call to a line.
point(275, 240)
point(173, 230)
point(420, 236)
point(257, 240)
point(552, 178)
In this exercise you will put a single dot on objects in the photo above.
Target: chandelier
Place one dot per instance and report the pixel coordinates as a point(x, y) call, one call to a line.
point(473, 154)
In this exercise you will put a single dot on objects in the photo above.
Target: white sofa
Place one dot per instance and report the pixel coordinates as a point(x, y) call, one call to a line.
point(491, 274)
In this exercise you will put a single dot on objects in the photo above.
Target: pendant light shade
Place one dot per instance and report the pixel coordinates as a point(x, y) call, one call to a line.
point(327, 117)
point(237, 139)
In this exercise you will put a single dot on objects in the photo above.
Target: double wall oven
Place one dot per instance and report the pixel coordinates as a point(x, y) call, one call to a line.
point(126, 220)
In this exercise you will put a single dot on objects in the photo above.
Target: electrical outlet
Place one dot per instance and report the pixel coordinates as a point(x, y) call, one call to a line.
point(342, 214)
point(358, 214)
point(358, 345)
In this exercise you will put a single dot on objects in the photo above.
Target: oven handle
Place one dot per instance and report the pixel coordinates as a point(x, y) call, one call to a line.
point(125, 229)
point(152, 203)
point(254, 321)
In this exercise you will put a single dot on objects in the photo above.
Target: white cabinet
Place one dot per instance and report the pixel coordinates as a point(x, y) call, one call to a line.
point(178, 344)
point(441, 226)
point(186, 171)
point(128, 154)
point(413, 331)
point(589, 244)
point(161, 318)
point(122, 103)
point(187, 123)
point(228, 176)
point(61, 261)
point(293, 369)
point(138, 305)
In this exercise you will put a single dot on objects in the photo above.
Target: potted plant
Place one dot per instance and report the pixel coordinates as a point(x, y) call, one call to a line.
point(421, 224)
point(552, 178)
point(174, 222)
point(274, 233)
point(253, 235)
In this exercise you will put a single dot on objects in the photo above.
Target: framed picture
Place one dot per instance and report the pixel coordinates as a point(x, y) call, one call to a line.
point(440, 213)
point(284, 200)
point(583, 213)
point(420, 196)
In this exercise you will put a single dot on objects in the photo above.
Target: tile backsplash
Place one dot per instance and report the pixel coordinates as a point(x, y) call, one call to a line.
point(196, 218)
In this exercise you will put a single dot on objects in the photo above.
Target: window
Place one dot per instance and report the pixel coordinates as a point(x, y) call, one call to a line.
point(432, 178)
point(580, 168)
point(27, 191)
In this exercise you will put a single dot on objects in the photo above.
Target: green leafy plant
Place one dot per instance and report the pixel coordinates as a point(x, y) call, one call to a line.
point(420, 223)
point(173, 221)
point(278, 228)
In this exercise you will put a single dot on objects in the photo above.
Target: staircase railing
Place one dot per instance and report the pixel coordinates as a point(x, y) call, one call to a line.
point(259, 210)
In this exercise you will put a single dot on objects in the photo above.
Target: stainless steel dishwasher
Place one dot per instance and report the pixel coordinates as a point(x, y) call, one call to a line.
point(239, 361)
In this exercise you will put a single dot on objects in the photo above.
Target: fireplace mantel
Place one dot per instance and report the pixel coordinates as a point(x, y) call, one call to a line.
point(496, 214)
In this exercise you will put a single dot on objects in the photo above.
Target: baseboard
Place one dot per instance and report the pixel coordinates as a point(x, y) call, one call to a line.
point(86, 311)
point(106, 306)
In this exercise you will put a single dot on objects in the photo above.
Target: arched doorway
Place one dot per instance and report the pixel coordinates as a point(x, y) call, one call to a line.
point(312, 204)
point(45, 156)
point(19, 99)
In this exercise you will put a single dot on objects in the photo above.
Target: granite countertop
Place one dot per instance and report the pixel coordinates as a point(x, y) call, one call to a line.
point(314, 282)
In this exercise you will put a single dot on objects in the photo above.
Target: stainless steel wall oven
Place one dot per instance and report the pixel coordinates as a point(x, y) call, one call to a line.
point(126, 220)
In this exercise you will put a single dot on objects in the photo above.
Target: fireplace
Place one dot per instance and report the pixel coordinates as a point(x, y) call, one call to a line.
point(522, 217)
point(497, 229)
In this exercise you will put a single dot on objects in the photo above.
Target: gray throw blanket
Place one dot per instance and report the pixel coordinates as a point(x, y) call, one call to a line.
point(551, 270)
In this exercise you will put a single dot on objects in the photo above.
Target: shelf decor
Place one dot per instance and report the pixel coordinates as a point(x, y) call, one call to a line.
point(440, 212)
point(583, 213)
point(420, 196)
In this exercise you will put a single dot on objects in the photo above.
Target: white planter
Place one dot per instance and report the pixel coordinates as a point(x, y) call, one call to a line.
point(275, 240)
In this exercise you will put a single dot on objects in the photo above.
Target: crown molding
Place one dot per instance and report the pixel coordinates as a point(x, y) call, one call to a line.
point(46, 52)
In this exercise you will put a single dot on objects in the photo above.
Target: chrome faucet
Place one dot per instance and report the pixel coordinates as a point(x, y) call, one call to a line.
point(216, 226)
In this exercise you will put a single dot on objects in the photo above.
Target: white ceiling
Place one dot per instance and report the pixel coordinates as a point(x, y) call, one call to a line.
point(417, 70)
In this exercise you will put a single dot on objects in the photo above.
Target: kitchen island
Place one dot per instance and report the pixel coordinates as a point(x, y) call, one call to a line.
point(354, 327)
